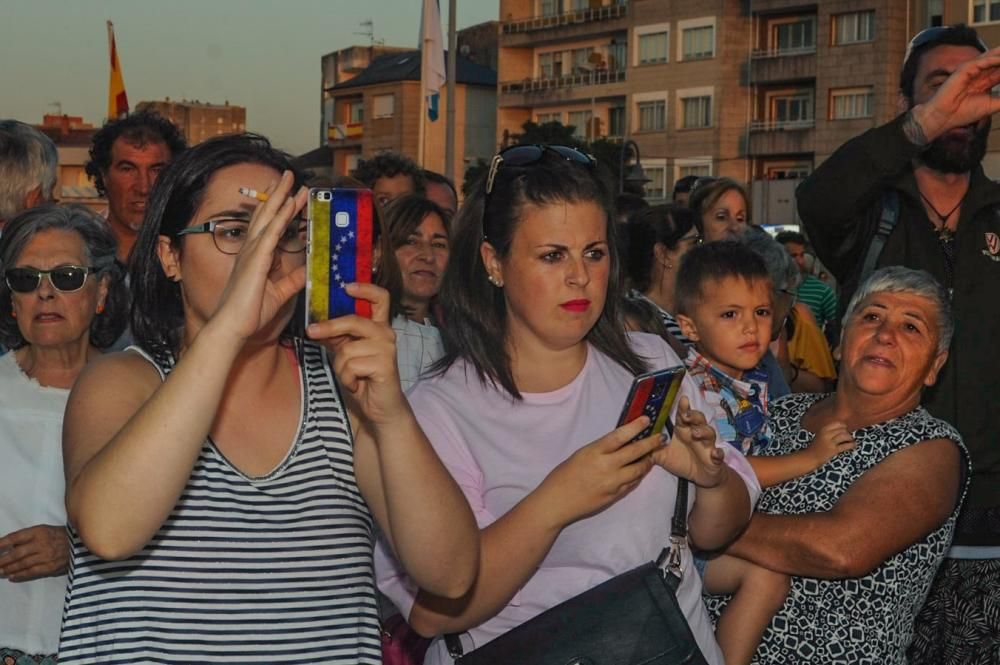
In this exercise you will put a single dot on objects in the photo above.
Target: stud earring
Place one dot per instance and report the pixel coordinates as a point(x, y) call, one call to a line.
point(494, 281)
point(100, 309)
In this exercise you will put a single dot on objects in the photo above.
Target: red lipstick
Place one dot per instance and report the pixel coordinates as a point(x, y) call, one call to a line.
point(581, 305)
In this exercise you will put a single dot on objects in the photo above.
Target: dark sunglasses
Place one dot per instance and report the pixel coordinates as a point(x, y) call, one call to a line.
point(66, 279)
point(931, 35)
point(524, 156)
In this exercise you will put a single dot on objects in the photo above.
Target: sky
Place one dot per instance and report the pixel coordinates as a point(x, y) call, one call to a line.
point(261, 54)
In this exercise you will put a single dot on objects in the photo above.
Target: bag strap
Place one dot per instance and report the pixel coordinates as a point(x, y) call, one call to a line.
point(669, 558)
point(886, 223)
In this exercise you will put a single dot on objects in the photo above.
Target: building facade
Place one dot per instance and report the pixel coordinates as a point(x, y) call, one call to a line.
point(758, 90)
point(73, 138)
point(200, 120)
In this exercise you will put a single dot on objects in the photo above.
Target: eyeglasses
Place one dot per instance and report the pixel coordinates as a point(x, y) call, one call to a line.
point(67, 279)
point(931, 35)
point(523, 156)
point(230, 234)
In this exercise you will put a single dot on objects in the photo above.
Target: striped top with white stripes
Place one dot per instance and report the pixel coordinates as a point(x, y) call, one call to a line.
point(271, 569)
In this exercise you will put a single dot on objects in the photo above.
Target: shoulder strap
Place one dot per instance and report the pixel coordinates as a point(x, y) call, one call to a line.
point(886, 223)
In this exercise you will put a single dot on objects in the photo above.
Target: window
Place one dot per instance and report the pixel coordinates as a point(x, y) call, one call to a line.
point(580, 5)
point(852, 103)
point(787, 171)
point(984, 11)
point(551, 7)
point(616, 121)
point(698, 43)
point(550, 64)
point(581, 60)
point(652, 115)
point(935, 13)
point(696, 112)
point(697, 170)
point(580, 122)
point(656, 188)
point(383, 106)
point(854, 28)
point(616, 57)
point(355, 112)
point(791, 107)
point(653, 48)
point(548, 117)
point(795, 35)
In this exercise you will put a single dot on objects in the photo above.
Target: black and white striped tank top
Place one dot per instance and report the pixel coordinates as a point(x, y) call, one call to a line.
point(272, 569)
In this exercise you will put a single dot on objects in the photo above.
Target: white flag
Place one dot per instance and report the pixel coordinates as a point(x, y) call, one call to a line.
point(432, 72)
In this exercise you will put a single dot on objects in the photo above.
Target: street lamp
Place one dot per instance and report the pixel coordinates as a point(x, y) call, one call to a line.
point(635, 175)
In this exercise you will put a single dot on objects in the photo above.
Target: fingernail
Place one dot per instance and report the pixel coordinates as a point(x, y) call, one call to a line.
point(312, 329)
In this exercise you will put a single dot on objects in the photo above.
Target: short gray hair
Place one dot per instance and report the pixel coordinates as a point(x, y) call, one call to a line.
point(898, 279)
point(784, 273)
point(28, 159)
point(101, 248)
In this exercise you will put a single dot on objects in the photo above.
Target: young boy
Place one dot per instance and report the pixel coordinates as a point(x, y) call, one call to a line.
point(724, 301)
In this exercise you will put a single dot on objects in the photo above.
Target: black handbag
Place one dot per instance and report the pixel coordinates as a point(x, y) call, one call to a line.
point(632, 619)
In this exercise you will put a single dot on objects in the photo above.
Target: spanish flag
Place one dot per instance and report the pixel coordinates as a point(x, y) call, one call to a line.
point(117, 100)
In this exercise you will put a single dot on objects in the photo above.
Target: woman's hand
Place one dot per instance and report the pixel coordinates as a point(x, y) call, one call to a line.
point(599, 474)
point(691, 452)
point(831, 440)
point(255, 293)
point(37, 551)
point(364, 356)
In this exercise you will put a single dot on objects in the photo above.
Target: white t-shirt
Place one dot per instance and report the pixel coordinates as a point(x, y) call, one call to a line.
point(499, 451)
point(31, 492)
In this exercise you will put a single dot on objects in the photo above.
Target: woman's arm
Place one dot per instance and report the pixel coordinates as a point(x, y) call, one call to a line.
point(892, 506)
point(512, 547)
point(129, 442)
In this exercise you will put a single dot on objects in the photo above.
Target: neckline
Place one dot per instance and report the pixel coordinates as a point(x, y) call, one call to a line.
point(559, 393)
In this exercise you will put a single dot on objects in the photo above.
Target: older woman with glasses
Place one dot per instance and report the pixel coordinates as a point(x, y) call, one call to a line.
point(224, 476)
point(523, 413)
point(62, 300)
point(862, 536)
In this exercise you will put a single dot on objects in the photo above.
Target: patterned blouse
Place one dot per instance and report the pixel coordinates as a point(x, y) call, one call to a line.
point(864, 620)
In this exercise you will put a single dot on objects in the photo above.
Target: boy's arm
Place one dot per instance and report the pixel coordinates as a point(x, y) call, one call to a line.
point(832, 439)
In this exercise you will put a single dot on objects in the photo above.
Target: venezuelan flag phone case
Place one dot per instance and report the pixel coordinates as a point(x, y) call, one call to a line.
point(653, 395)
point(339, 252)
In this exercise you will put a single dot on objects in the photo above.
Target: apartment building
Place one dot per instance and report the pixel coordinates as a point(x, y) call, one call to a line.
point(199, 121)
point(757, 90)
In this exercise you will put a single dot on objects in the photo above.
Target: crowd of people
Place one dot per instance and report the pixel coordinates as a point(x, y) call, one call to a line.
point(191, 475)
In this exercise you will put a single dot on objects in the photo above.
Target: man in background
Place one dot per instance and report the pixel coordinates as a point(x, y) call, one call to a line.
point(812, 291)
point(28, 168)
point(390, 175)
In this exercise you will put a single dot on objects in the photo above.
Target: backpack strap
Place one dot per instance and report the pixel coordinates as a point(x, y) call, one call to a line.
point(886, 223)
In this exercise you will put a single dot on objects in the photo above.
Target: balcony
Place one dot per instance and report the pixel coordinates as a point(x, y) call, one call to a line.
point(345, 133)
point(568, 87)
point(785, 65)
point(567, 25)
point(782, 137)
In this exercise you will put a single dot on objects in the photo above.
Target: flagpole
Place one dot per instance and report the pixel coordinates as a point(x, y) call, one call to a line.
point(423, 119)
point(449, 130)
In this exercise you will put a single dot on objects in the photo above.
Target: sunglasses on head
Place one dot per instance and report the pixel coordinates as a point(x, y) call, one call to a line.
point(931, 35)
point(523, 156)
point(67, 279)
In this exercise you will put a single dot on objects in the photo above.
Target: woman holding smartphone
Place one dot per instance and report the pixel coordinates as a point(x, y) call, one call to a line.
point(222, 481)
point(523, 411)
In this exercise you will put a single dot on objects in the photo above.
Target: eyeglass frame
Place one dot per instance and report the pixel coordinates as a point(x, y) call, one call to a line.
point(210, 226)
point(567, 153)
point(87, 272)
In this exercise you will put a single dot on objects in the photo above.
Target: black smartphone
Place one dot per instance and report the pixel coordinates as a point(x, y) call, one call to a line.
point(653, 394)
point(339, 252)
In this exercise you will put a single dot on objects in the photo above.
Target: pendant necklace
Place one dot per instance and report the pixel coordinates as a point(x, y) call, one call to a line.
point(944, 234)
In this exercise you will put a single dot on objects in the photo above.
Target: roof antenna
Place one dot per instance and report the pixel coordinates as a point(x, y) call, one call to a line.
point(369, 32)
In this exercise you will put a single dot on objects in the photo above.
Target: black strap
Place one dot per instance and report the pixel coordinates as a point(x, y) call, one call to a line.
point(886, 223)
point(678, 524)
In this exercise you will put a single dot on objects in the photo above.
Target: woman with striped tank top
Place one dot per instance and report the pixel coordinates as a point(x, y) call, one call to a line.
point(224, 477)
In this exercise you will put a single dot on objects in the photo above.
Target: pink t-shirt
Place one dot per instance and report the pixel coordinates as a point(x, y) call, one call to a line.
point(499, 450)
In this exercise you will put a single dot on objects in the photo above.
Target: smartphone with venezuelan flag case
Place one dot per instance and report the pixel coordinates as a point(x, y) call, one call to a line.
point(653, 394)
point(339, 252)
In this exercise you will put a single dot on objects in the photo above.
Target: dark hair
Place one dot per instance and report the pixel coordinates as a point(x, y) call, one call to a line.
point(139, 129)
point(389, 164)
point(101, 246)
point(434, 176)
point(475, 311)
point(684, 185)
point(791, 236)
point(715, 261)
point(952, 35)
point(706, 193)
point(663, 224)
point(402, 217)
point(157, 309)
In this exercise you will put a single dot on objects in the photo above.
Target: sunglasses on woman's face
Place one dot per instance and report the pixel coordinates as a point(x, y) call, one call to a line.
point(67, 278)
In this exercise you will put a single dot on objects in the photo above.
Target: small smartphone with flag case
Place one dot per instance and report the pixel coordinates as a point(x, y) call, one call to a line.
point(653, 395)
point(339, 252)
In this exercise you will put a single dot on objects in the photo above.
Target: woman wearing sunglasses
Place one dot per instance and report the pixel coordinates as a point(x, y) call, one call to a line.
point(224, 477)
point(523, 413)
point(62, 300)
